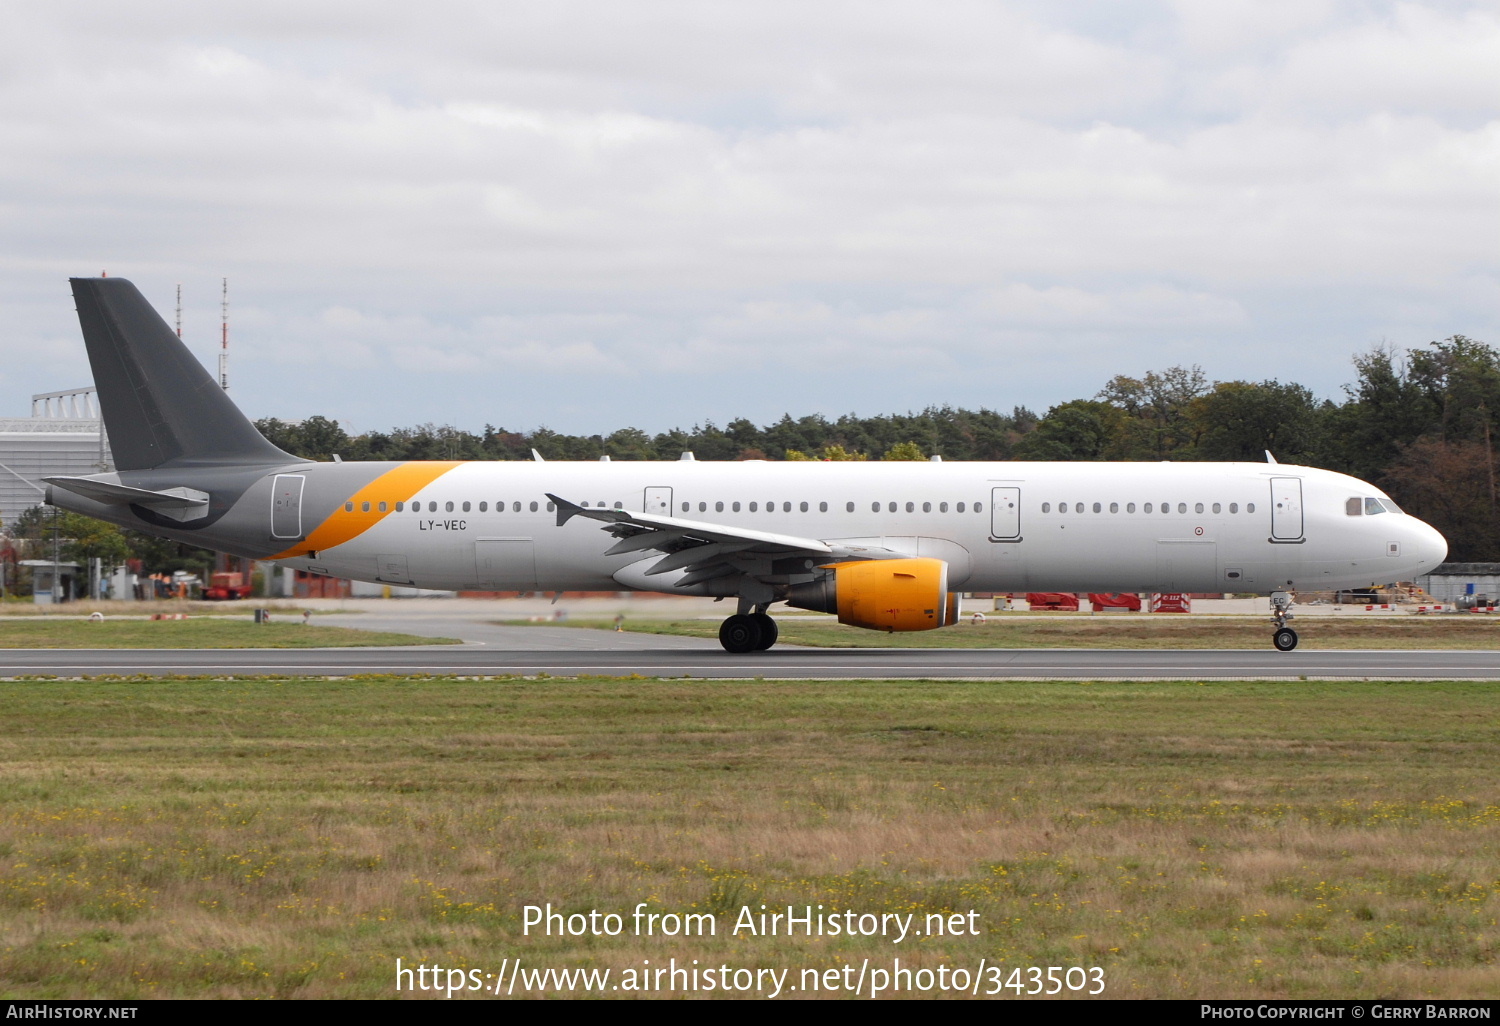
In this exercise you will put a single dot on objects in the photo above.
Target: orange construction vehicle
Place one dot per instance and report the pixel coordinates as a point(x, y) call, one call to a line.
point(226, 587)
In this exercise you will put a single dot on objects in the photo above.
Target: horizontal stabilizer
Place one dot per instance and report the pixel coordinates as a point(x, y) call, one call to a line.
point(178, 503)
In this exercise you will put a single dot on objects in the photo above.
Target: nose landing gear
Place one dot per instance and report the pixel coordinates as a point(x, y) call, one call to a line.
point(1285, 639)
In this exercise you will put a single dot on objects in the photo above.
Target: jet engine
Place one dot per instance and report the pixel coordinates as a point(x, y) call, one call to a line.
point(882, 594)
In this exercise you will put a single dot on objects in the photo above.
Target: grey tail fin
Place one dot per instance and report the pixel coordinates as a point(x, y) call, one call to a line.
point(159, 404)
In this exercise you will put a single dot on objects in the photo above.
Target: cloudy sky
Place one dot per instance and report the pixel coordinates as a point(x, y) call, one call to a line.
point(593, 214)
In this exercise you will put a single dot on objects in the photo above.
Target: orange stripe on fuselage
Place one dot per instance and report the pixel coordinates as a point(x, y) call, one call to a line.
point(394, 486)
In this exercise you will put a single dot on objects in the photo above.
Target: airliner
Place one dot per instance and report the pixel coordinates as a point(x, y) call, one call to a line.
point(885, 546)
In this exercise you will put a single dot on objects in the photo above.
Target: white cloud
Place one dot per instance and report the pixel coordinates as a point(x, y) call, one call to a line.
point(881, 197)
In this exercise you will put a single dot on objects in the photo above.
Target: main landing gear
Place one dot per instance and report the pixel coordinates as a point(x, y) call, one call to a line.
point(1285, 639)
point(748, 632)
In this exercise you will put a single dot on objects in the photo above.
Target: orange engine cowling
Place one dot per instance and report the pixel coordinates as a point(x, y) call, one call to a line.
point(882, 594)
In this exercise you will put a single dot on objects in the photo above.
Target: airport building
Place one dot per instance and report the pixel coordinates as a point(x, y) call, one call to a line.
point(63, 436)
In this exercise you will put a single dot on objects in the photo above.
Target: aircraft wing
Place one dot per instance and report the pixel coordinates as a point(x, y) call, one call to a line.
point(705, 550)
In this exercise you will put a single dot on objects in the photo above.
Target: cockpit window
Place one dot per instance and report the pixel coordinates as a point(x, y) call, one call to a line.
point(1373, 506)
point(1388, 504)
point(1354, 507)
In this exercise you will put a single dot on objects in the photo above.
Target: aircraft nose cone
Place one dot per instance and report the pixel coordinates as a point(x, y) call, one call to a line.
point(1430, 546)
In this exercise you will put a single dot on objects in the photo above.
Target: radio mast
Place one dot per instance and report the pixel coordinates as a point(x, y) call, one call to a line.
point(224, 340)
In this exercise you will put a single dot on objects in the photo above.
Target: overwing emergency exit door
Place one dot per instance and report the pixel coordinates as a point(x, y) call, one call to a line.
point(659, 501)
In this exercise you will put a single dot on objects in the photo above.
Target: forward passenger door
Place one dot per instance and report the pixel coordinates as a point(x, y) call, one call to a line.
point(1286, 509)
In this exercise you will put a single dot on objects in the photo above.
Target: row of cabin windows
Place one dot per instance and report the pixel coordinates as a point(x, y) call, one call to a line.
point(786, 507)
point(1166, 507)
point(451, 507)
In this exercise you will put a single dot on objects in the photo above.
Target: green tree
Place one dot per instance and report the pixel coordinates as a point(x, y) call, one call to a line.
point(1157, 423)
point(87, 539)
point(827, 454)
point(1239, 420)
point(1083, 429)
point(903, 451)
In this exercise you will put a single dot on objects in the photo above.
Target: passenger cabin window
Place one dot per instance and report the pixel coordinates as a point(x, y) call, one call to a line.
point(1249, 507)
point(448, 506)
point(822, 507)
point(735, 507)
point(533, 506)
point(466, 505)
point(959, 507)
point(848, 507)
point(348, 507)
point(1098, 508)
point(1216, 507)
point(1130, 508)
point(1198, 507)
point(803, 507)
point(718, 507)
point(400, 507)
point(1046, 507)
point(1234, 507)
point(943, 507)
point(891, 507)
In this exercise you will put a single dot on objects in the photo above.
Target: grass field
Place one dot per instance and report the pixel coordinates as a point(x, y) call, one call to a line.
point(281, 838)
point(1066, 631)
point(199, 632)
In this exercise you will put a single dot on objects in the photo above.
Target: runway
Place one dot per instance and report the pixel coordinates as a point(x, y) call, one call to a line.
point(706, 660)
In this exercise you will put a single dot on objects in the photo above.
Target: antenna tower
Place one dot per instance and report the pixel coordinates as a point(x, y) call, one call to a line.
point(224, 340)
point(179, 309)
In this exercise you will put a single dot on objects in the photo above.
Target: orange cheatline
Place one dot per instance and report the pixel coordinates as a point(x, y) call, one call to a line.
point(394, 486)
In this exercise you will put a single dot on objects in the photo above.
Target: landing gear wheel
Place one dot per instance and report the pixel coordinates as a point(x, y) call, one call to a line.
point(768, 630)
point(740, 634)
point(1285, 639)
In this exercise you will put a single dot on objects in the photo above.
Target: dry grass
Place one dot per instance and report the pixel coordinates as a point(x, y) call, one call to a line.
point(201, 632)
point(1107, 631)
point(24, 606)
point(257, 839)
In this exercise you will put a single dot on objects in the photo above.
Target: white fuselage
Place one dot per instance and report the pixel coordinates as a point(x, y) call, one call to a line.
point(1132, 527)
